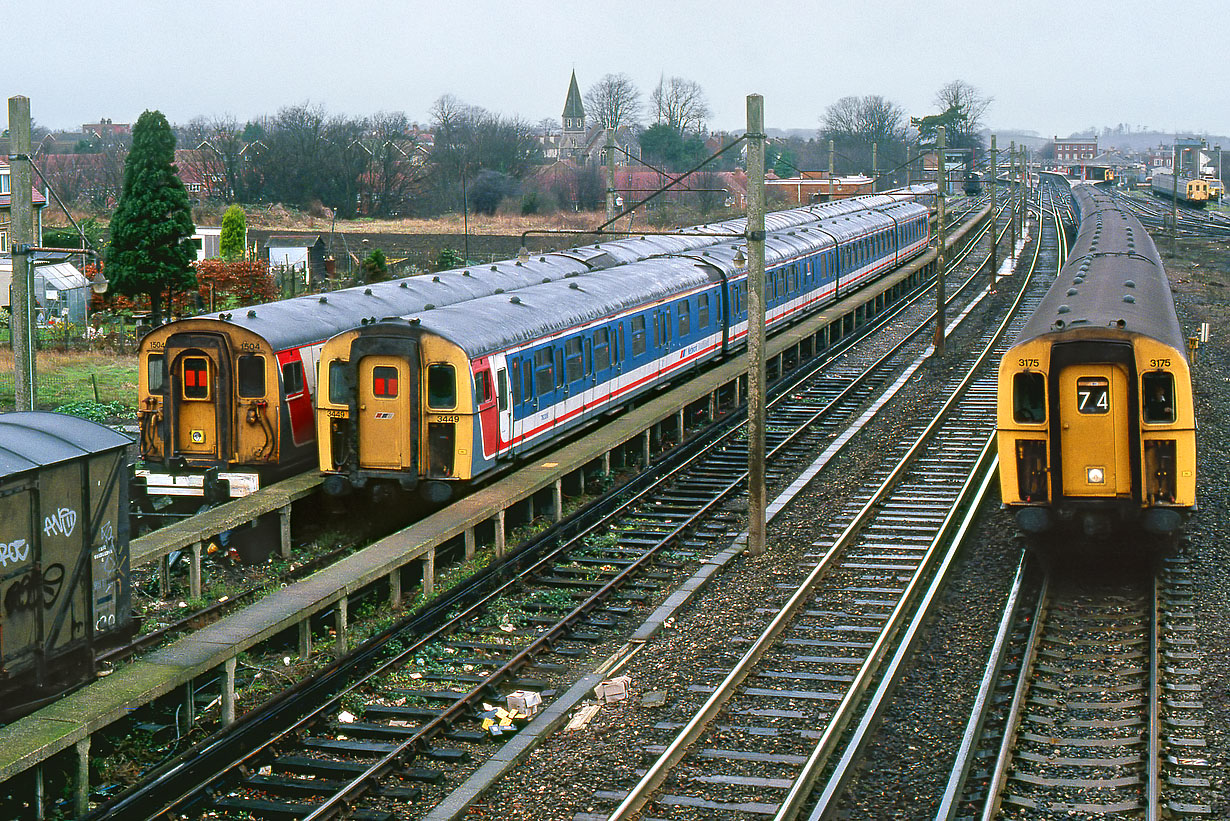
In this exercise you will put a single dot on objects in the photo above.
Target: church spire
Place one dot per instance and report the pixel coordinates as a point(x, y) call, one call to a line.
point(574, 109)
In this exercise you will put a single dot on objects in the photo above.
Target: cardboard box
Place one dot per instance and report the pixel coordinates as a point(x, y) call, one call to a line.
point(525, 701)
point(615, 689)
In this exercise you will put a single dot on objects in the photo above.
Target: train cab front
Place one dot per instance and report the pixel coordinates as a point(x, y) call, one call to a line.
point(208, 402)
point(1091, 444)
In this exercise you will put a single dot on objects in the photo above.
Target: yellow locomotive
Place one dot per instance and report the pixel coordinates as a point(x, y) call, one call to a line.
point(1096, 424)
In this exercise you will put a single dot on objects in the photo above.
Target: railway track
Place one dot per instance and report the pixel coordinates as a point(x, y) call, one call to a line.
point(1090, 705)
point(406, 709)
point(794, 709)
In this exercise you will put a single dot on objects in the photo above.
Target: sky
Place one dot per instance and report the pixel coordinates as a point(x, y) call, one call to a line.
point(1052, 67)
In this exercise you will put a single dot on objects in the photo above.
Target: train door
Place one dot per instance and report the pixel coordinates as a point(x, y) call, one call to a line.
point(524, 407)
point(200, 396)
point(1094, 417)
point(577, 377)
point(503, 398)
point(605, 361)
point(387, 403)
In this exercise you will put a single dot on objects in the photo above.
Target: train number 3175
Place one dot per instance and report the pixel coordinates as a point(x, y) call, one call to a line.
point(1159, 363)
point(1027, 363)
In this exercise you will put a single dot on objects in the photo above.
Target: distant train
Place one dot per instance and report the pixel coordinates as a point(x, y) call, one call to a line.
point(226, 400)
point(1188, 190)
point(1096, 422)
point(64, 570)
point(437, 399)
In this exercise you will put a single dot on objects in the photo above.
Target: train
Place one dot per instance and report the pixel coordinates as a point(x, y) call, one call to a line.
point(1096, 424)
point(436, 400)
point(64, 560)
point(226, 400)
point(1193, 191)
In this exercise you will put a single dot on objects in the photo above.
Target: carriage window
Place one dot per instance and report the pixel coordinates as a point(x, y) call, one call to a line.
point(292, 378)
point(559, 368)
point(1093, 395)
point(441, 386)
point(156, 372)
point(196, 377)
point(338, 395)
point(602, 349)
point(1029, 397)
point(384, 382)
point(1158, 390)
point(544, 373)
point(702, 315)
point(250, 370)
point(685, 318)
point(501, 384)
point(516, 381)
point(574, 358)
point(482, 388)
point(638, 335)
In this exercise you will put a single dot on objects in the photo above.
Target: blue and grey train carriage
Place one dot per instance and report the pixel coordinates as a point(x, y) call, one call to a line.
point(226, 399)
point(438, 399)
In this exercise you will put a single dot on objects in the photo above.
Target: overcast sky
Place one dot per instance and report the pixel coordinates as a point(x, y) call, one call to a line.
point(1053, 67)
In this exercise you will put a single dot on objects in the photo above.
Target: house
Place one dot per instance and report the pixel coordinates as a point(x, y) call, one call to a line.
point(6, 201)
point(1076, 148)
point(105, 128)
point(817, 186)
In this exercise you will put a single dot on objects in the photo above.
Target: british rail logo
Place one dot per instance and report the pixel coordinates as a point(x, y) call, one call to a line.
point(384, 415)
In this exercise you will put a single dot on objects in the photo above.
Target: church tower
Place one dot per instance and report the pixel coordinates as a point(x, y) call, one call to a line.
point(574, 110)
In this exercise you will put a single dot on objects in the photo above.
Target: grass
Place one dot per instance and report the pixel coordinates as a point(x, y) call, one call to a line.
point(71, 376)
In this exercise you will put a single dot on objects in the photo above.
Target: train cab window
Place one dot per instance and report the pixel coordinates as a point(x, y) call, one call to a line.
point(338, 395)
point(702, 314)
point(292, 378)
point(574, 358)
point(1029, 397)
point(156, 372)
point(441, 386)
point(685, 318)
point(638, 335)
point(544, 372)
point(1092, 395)
point(1158, 391)
point(482, 387)
point(196, 377)
point(384, 382)
point(250, 376)
point(602, 349)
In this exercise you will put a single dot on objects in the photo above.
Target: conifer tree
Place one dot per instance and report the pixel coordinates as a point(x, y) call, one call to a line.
point(150, 251)
point(232, 242)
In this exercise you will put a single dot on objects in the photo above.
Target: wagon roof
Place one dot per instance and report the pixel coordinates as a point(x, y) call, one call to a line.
point(34, 439)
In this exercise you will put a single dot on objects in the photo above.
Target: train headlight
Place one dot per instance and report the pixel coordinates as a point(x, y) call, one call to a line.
point(1095, 476)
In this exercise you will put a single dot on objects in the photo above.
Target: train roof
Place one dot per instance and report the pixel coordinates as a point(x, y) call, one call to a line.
point(1113, 279)
point(33, 439)
point(311, 318)
point(493, 323)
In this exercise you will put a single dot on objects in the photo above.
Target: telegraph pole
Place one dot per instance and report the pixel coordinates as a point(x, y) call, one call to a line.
point(994, 221)
point(610, 174)
point(832, 171)
point(1012, 194)
point(1174, 195)
point(941, 179)
point(21, 228)
point(756, 493)
point(875, 166)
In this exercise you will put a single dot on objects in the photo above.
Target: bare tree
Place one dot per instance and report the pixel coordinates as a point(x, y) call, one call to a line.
point(218, 155)
point(680, 104)
point(972, 103)
point(854, 124)
point(614, 101)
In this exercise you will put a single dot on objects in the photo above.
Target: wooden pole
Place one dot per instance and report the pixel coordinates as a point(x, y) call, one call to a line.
point(994, 221)
point(21, 236)
point(941, 179)
point(756, 492)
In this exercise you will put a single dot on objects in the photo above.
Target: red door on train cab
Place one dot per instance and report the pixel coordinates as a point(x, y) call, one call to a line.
point(1093, 424)
point(386, 413)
